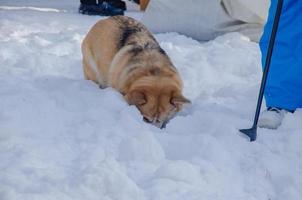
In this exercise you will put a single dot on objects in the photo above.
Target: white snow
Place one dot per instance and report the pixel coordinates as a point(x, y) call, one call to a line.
point(61, 137)
point(30, 8)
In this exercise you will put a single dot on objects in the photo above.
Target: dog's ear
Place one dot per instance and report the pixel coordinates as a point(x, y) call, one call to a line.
point(136, 98)
point(179, 100)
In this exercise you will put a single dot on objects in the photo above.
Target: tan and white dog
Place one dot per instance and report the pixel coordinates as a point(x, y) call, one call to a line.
point(121, 53)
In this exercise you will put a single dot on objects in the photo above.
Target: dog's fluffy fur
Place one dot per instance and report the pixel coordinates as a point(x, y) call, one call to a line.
point(121, 53)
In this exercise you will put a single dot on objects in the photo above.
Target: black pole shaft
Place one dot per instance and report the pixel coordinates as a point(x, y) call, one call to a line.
point(268, 60)
point(252, 132)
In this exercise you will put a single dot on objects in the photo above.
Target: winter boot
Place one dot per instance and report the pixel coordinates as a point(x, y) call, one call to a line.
point(118, 4)
point(271, 118)
point(136, 1)
point(102, 8)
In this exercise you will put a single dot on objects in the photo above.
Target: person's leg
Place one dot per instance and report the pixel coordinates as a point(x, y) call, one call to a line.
point(284, 83)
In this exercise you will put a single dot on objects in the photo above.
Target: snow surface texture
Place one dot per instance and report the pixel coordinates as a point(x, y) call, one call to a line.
point(61, 137)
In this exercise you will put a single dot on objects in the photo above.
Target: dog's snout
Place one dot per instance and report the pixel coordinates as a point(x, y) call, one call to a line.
point(146, 120)
point(156, 122)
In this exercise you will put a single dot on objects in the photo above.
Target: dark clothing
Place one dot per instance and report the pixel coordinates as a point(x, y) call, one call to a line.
point(102, 7)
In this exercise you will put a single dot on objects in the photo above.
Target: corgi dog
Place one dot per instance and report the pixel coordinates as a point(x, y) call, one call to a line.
point(120, 52)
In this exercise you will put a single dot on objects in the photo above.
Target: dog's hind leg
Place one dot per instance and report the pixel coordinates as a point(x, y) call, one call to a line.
point(91, 72)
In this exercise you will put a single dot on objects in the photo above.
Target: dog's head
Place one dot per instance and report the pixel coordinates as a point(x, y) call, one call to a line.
point(157, 100)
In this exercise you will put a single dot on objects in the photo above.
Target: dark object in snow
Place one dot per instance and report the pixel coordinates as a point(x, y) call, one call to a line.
point(102, 8)
point(252, 132)
point(136, 1)
point(118, 4)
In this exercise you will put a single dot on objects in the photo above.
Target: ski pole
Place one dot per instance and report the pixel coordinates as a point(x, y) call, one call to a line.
point(252, 132)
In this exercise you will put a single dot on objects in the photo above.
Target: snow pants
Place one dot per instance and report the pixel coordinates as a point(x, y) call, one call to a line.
point(284, 83)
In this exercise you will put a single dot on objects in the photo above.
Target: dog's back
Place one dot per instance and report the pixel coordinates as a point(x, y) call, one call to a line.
point(132, 32)
point(112, 41)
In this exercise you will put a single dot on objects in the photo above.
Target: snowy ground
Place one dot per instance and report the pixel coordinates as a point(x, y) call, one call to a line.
point(62, 138)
